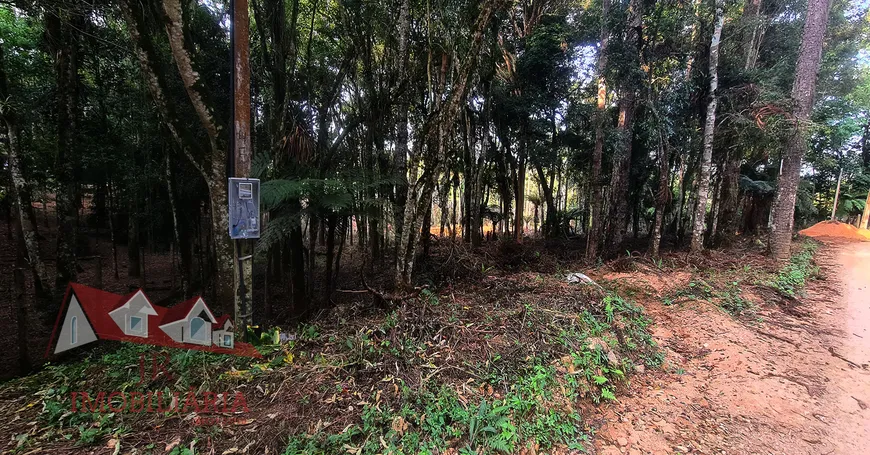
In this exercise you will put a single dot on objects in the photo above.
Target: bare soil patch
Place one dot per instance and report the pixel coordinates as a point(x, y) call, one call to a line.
point(836, 229)
point(777, 383)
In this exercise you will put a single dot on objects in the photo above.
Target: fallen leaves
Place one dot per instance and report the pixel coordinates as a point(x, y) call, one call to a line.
point(175, 442)
point(115, 444)
point(399, 425)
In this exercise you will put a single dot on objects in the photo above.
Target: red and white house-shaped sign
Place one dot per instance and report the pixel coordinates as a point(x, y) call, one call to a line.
point(88, 314)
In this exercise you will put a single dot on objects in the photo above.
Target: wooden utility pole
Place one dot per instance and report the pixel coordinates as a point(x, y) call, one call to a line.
point(837, 196)
point(241, 163)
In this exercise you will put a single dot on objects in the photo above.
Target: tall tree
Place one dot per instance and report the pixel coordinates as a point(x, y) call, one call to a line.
point(593, 238)
point(210, 163)
point(62, 37)
point(625, 124)
point(19, 187)
point(434, 137)
point(400, 160)
point(803, 94)
point(709, 132)
point(752, 22)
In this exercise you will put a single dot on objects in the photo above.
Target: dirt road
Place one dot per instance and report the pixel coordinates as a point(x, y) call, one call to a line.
point(790, 383)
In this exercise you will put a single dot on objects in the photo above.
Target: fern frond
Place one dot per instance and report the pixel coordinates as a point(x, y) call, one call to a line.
point(756, 187)
point(277, 230)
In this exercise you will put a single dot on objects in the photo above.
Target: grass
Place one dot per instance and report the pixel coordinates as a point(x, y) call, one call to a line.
point(434, 417)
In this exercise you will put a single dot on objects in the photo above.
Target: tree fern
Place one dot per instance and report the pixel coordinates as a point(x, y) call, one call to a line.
point(756, 187)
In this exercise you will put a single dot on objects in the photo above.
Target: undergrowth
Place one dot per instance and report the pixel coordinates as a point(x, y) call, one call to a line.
point(534, 404)
point(471, 377)
point(727, 288)
point(118, 370)
point(792, 278)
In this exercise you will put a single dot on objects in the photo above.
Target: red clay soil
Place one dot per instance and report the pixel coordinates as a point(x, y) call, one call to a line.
point(836, 229)
point(784, 384)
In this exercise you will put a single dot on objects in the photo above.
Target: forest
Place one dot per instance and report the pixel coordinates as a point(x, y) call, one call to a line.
point(403, 146)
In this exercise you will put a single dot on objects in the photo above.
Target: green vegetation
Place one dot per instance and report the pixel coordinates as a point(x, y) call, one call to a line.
point(792, 278)
point(433, 417)
point(731, 287)
point(372, 124)
point(537, 406)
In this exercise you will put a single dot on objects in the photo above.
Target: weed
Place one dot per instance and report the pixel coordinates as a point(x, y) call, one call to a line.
point(654, 360)
point(793, 277)
point(308, 332)
point(521, 394)
point(431, 297)
point(729, 297)
point(730, 300)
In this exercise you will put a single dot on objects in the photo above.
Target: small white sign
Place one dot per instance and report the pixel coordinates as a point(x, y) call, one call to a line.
point(244, 208)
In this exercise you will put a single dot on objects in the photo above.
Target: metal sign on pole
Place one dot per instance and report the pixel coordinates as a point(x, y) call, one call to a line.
point(244, 208)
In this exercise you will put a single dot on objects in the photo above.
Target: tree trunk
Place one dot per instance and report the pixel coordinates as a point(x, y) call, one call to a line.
point(297, 263)
point(547, 188)
point(709, 131)
point(476, 199)
point(64, 47)
point(22, 319)
point(345, 222)
point(213, 168)
point(520, 194)
point(729, 200)
point(713, 217)
point(112, 212)
point(331, 222)
point(455, 205)
point(865, 217)
point(133, 238)
point(426, 230)
point(401, 154)
point(176, 229)
point(753, 32)
point(594, 237)
point(662, 198)
point(216, 178)
point(836, 196)
point(625, 128)
point(312, 248)
point(27, 228)
point(865, 146)
point(25, 223)
point(444, 198)
point(803, 94)
point(535, 220)
point(439, 124)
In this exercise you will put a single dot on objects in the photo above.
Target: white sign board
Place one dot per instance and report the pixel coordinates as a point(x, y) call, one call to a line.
point(244, 208)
